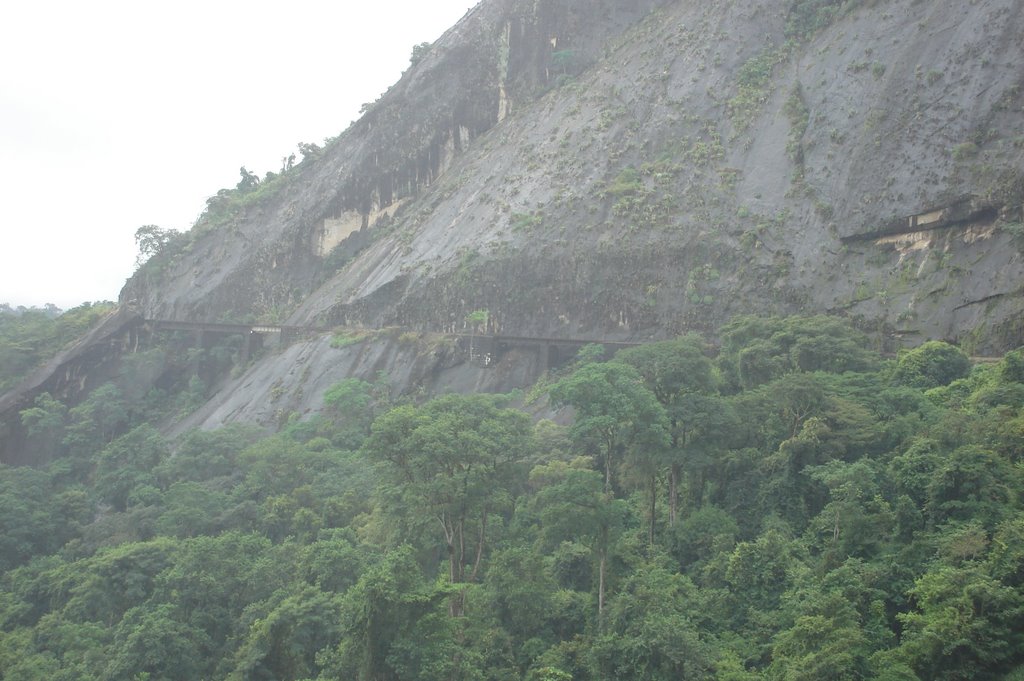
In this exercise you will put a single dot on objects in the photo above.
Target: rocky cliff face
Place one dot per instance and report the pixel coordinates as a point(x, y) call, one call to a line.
point(270, 251)
point(642, 168)
point(635, 169)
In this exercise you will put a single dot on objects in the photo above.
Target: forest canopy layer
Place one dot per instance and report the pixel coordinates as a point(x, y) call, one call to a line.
point(790, 505)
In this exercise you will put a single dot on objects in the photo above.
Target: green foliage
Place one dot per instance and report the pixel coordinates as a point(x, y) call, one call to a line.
point(799, 116)
point(450, 464)
point(477, 319)
point(379, 617)
point(753, 81)
point(344, 339)
point(827, 643)
point(615, 413)
point(30, 337)
point(671, 368)
point(151, 643)
point(127, 463)
point(44, 424)
point(525, 221)
point(283, 644)
point(807, 17)
point(756, 350)
point(419, 51)
point(227, 204)
point(931, 365)
point(203, 455)
point(152, 241)
point(627, 183)
point(249, 181)
point(310, 151)
point(350, 405)
point(96, 421)
point(972, 483)
point(966, 623)
point(838, 517)
point(34, 518)
point(702, 535)
point(652, 631)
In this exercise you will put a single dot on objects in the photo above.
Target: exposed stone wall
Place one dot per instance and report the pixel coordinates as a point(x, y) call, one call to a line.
point(643, 156)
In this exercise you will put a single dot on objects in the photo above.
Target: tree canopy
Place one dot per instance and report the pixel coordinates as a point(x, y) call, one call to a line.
point(790, 507)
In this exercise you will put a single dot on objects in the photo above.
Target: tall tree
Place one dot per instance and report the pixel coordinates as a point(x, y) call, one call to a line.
point(577, 507)
point(615, 413)
point(380, 615)
point(652, 630)
point(455, 460)
point(618, 417)
point(682, 379)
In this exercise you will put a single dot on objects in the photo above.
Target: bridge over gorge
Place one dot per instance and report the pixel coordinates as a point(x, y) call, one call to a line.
point(482, 349)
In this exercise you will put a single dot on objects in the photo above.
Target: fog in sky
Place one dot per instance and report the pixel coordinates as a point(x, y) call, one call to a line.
point(115, 115)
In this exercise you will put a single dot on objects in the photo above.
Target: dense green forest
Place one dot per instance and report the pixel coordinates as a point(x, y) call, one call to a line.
point(789, 505)
point(30, 336)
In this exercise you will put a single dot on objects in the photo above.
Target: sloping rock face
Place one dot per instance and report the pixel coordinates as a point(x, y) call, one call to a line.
point(638, 169)
point(292, 382)
point(270, 255)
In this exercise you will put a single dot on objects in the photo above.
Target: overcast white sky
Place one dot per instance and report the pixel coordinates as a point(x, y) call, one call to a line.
point(115, 115)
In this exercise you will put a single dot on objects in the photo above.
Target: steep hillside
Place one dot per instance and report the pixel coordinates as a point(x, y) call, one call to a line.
point(629, 172)
point(636, 171)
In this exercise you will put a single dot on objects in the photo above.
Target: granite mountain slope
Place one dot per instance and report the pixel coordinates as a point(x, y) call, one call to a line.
point(637, 170)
